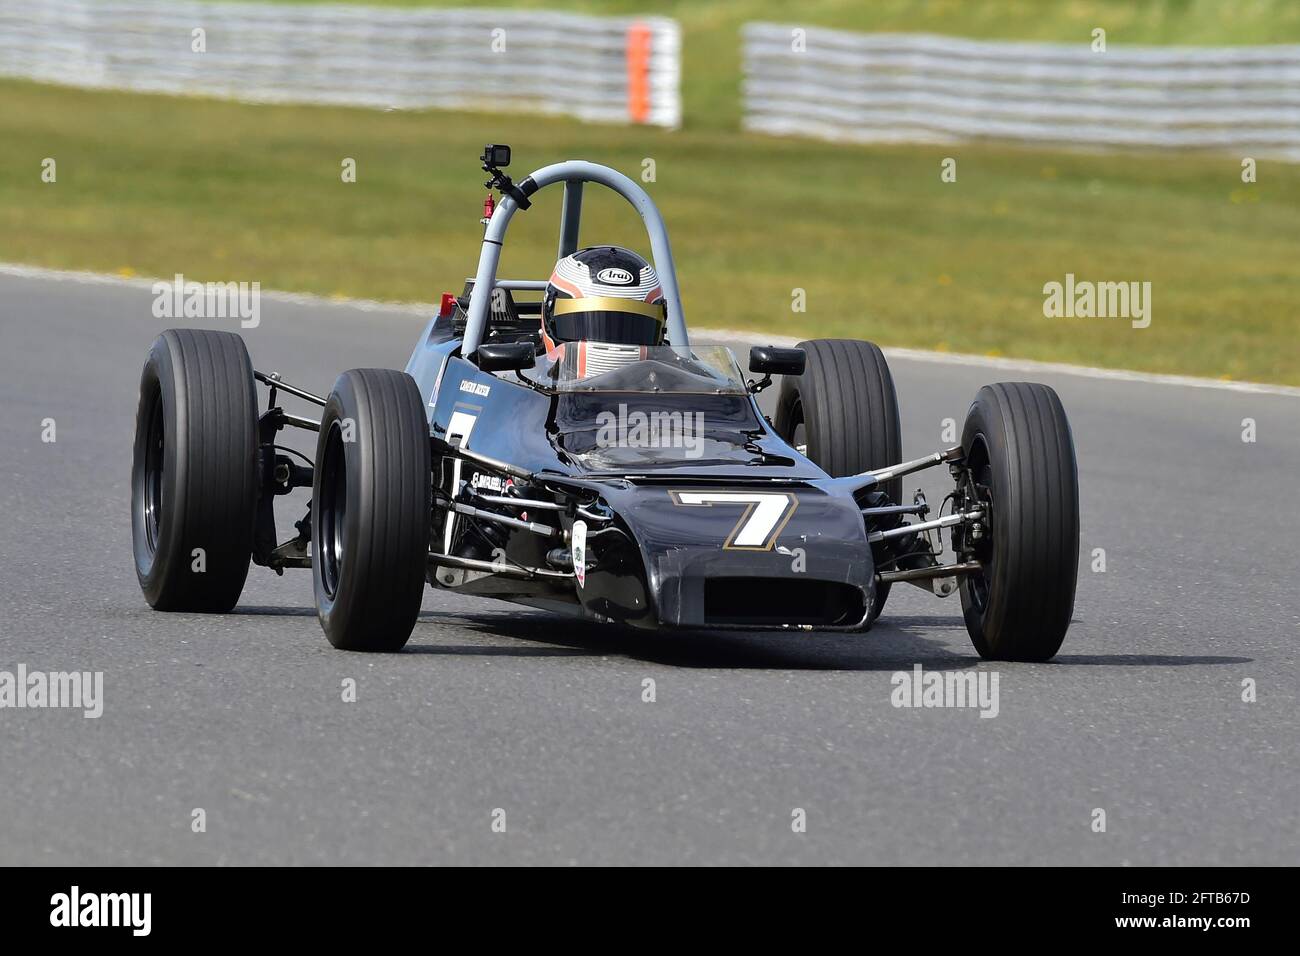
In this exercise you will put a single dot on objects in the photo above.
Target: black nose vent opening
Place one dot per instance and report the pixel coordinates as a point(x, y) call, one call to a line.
point(767, 602)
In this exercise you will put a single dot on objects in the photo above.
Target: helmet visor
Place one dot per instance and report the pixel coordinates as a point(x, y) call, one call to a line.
point(609, 319)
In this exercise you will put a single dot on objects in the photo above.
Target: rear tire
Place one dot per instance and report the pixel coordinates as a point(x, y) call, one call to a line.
point(194, 471)
point(847, 407)
point(1019, 447)
point(370, 510)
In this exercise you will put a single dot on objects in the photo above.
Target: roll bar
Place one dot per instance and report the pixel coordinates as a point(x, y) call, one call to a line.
point(573, 174)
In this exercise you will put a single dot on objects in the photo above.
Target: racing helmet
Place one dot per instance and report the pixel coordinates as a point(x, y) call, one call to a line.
point(603, 294)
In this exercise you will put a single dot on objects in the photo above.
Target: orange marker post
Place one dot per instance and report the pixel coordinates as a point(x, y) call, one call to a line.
point(638, 73)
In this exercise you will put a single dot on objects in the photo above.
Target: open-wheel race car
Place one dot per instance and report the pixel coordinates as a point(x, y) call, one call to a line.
point(562, 443)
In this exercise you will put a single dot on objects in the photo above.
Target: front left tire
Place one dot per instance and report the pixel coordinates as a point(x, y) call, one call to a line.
point(1021, 467)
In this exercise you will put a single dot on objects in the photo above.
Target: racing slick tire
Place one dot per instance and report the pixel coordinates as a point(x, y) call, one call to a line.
point(848, 409)
point(370, 510)
point(1020, 454)
point(194, 471)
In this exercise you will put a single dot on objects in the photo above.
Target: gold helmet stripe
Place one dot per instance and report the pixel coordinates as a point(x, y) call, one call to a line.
point(610, 303)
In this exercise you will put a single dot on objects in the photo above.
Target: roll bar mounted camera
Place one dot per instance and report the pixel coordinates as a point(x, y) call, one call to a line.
point(495, 158)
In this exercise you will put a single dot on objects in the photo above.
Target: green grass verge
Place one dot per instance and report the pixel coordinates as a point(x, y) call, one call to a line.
point(884, 250)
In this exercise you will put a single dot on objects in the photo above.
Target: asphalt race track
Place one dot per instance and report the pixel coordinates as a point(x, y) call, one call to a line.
point(491, 707)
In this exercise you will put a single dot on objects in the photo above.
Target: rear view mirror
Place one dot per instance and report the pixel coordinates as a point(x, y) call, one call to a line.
point(770, 360)
point(506, 356)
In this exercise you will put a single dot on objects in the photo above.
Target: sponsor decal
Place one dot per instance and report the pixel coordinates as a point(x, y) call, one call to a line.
point(485, 482)
point(615, 276)
point(475, 388)
point(579, 543)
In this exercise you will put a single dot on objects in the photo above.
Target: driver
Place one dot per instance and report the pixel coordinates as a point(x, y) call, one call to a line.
point(607, 298)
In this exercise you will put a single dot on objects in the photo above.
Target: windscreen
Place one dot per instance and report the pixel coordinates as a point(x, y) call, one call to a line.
point(653, 369)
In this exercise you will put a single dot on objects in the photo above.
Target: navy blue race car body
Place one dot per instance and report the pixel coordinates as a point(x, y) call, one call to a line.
point(639, 484)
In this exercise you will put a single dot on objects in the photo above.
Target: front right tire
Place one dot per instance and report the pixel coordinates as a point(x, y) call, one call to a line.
point(371, 510)
point(194, 471)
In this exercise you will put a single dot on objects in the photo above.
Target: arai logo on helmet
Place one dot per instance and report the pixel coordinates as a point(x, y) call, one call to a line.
point(615, 276)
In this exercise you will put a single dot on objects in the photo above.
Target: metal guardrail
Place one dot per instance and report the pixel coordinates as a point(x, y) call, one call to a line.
point(603, 69)
point(836, 85)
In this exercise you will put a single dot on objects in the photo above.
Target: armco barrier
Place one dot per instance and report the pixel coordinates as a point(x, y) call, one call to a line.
point(604, 69)
point(860, 87)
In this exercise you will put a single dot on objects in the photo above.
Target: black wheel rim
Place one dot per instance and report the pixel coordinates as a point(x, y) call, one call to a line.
point(798, 432)
point(980, 473)
point(332, 507)
point(150, 479)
